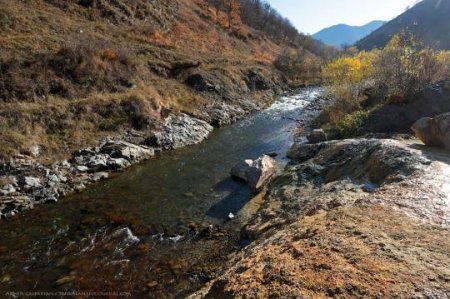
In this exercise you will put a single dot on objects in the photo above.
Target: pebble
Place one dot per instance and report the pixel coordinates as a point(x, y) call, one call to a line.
point(65, 280)
point(152, 284)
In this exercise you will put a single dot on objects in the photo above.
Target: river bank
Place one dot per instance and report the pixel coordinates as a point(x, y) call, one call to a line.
point(362, 218)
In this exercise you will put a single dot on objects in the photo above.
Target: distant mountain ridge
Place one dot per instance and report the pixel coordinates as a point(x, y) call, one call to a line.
point(429, 20)
point(342, 34)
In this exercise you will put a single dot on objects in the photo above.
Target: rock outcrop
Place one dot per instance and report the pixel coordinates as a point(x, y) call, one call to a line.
point(348, 219)
point(430, 102)
point(179, 131)
point(256, 173)
point(434, 131)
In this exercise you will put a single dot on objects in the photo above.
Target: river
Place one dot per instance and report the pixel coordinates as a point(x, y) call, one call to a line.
point(159, 229)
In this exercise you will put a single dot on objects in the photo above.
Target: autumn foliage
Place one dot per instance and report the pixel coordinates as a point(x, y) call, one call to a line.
point(360, 81)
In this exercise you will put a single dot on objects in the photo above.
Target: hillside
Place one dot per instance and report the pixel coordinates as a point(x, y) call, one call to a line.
point(429, 20)
point(343, 34)
point(74, 71)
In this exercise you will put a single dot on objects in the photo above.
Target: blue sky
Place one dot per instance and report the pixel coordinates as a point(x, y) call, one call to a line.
point(310, 16)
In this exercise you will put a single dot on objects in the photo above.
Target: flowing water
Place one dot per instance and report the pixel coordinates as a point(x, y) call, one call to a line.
point(160, 229)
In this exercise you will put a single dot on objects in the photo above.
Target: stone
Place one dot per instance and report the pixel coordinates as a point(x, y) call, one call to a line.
point(126, 236)
point(57, 178)
point(31, 182)
point(8, 189)
point(317, 136)
point(152, 284)
point(65, 280)
point(81, 168)
point(117, 163)
point(31, 151)
point(231, 216)
point(434, 131)
point(126, 150)
point(79, 188)
point(256, 173)
point(98, 176)
point(179, 131)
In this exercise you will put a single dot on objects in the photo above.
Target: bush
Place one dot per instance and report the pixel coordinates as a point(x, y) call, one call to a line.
point(350, 126)
point(443, 66)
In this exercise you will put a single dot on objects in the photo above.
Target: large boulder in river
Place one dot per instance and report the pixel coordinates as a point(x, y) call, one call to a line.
point(434, 131)
point(179, 131)
point(257, 173)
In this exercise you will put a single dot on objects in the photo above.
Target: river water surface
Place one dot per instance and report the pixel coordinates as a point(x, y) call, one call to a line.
point(160, 229)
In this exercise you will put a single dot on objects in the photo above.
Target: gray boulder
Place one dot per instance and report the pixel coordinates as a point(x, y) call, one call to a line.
point(179, 131)
point(434, 131)
point(31, 182)
point(256, 173)
point(125, 150)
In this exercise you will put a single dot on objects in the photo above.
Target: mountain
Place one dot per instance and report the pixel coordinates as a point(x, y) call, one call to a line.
point(343, 34)
point(429, 20)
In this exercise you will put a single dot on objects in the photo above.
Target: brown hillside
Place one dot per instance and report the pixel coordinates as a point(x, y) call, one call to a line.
point(73, 71)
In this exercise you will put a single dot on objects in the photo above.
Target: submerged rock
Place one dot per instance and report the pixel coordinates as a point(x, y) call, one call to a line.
point(257, 173)
point(434, 131)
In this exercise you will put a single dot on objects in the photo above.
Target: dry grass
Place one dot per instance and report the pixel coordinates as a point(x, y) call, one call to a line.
point(71, 74)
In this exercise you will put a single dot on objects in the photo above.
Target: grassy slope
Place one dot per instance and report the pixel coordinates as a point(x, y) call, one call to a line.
point(34, 31)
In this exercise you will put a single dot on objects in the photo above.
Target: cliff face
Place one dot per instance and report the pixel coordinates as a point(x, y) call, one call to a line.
point(353, 218)
point(74, 71)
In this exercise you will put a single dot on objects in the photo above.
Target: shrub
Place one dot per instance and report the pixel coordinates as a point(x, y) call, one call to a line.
point(443, 66)
point(349, 126)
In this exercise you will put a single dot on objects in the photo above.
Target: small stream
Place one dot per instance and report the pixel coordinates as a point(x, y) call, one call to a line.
point(158, 230)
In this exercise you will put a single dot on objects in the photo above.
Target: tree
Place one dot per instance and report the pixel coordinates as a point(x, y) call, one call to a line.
point(232, 10)
point(405, 66)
